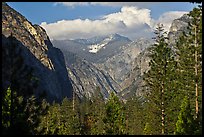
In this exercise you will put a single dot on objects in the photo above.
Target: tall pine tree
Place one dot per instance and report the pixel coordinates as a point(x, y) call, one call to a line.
point(115, 119)
point(184, 125)
point(158, 81)
point(189, 65)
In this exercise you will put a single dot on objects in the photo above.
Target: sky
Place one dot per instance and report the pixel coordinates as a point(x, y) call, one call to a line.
point(72, 20)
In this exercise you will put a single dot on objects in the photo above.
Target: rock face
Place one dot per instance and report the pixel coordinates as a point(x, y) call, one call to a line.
point(86, 77)
point(127, 67)
point(38, 52)
point(133, 83)
point(117, 70)
point(96, 49)
point(177, 27)
point(121, 65)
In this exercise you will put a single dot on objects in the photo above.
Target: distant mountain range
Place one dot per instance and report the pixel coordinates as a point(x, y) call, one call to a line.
point(111, 63)
point(107, 62)
point(114, 63)
point(104, 46)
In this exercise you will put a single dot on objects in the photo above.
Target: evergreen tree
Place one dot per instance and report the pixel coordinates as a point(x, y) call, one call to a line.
point(147, 129)
point(184, 125)
point(97, 110)
point(189, 68)
point(19, 78)
point(115, 119)
point(85, 115)
point(134, 113)
point(159, 80)
point(6, 110)
point(189, 54)
point(66, 117)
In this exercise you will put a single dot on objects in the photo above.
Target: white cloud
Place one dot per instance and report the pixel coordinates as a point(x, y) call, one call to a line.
point(130, 16)
point(167, 18)
point(130, 21)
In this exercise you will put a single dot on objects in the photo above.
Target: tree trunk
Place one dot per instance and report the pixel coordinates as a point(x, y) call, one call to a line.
point(162, 109)
point(196, 74)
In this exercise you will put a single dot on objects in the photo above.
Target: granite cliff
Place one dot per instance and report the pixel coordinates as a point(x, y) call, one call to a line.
point(47, 62)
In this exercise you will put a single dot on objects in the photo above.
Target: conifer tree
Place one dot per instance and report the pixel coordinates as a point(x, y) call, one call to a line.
point(19, 78)
point(134, 113)
point(97, 110)
point(184, 125)
point(196, 41)
point(189, 64)
point(115, 119)
point(147, 129)
point(159, 79)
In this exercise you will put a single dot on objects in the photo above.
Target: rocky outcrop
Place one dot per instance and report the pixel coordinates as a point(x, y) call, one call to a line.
point(38, 52)
point(86, 78)
point(127, 67)
point(121, 66)
point(134, 79)
point(177, 27)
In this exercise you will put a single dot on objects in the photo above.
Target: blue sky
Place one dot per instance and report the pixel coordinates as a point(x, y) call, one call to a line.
point(95, 15)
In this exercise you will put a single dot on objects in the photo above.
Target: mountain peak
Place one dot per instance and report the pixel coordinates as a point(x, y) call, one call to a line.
point(99, 39)
point(118, 36)
point(94, 48)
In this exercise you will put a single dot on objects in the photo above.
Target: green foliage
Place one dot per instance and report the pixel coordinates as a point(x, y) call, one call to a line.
point(184, 125)
point(188, 47)
point(6, 109)
point(135, 116)
point(189, 69)
point(60, 120)
point(159, 79)
point(147, 129)
point(97, 114)
point(115, 119)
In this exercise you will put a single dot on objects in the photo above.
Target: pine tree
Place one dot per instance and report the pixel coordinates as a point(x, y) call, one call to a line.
point(184, 125)
point(159, 80)
point(147, 129)
point(97, 110)
point(115, 119)
point(189, 60)
point(18, 77)
point(6, 106)
point(65, 117)
point(134, 113)
point(196, 40)
point(43, 127)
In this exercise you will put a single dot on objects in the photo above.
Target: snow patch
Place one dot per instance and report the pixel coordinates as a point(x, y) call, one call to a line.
point(96, 47)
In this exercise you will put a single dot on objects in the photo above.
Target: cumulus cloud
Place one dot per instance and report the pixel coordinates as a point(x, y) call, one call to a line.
point(131, 21)
point(130, 16)
point(167, 18)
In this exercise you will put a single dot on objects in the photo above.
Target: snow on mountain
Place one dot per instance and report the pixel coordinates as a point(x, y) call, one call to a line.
point(94, 48)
